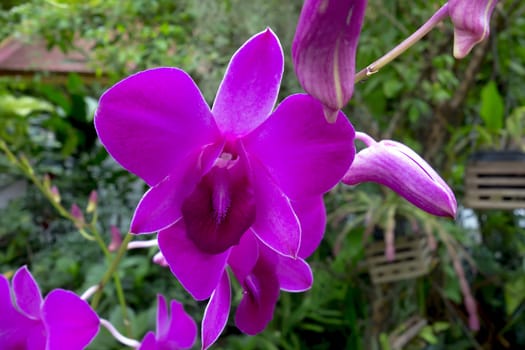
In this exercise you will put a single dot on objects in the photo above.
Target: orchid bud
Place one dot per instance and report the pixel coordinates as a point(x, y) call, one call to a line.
point(396, 166)
point(159, 259)
point(55, 194)
point(471, 23)
point(92, 202)
point(78, 216)
point(324, 49)
point(116, 239)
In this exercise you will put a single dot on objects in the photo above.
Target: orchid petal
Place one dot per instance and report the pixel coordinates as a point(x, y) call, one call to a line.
point(243, 257)
point(149, 342)
point(396, 166)
point(220, 209)
point(163, 318)
point(71, 323)
point(303, 153)
point(471, 20)
point(196, 270)
point(276, 223)
point(261, 292)
point(312, 215)
point(161, 205)
point(324, 49)
point(177, 328)
point(216, 313)
point(294, 275)
point(14, 326)
point(249, 90)
point(151, 121)
point(27, 293)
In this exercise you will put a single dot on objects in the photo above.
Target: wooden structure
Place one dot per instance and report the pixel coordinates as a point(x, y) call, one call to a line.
point(27, 58)
point(413, 258)
point(495, 183)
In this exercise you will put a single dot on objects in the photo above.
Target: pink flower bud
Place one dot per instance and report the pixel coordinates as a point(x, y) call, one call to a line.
point(92, 202)
point(471, 23)
point(55, 194)
point(78, 216)
point(324, 49)
point(160, 260)
point(116, 239)
point(396, 166)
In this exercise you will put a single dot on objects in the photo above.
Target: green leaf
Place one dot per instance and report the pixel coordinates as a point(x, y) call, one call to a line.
point(514, 294)
point(22, 106)
point(428, 335)
point(492, 107)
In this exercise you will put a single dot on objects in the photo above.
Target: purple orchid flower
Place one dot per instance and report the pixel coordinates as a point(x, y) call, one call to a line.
point(215, 175)
point(396, 166)
point(175, 328)
point(237, 170)
point(60, 321)
point(324, 50)
point(262, 273)
point(471, 20)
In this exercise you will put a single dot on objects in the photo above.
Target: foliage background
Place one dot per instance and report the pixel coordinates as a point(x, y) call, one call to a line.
point(444, 108)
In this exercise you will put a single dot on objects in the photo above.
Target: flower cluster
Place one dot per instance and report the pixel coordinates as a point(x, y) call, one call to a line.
point(236, 190)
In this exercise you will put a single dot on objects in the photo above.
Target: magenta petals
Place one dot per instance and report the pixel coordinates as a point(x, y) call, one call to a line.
point(312, 215)
point(217, 312)
point(197, 271)
point(471, 19)
point(303, 153)
point(250, 86)
point(175, 328)
point(324, 50)
point(151, 121)
point(396, 166)
point(61, 321)
point(276, 224)
point(27, 293)
point(16, 329)
point(261, 292)
point(294, 275)
point(221, 208)
point(70, 321)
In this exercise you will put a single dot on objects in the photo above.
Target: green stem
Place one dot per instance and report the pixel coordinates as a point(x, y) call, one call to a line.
point(404, 45)
point(24, 165)
point(111, 271)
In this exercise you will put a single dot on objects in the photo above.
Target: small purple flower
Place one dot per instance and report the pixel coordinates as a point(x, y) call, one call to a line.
point(262, 273)
point(471, 20)
point(27, 321)
point(217, 174)
point(396, 166)
point(324, 50)
point(175, 328)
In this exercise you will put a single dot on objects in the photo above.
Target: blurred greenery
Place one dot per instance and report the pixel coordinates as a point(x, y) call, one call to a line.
point(443, 108)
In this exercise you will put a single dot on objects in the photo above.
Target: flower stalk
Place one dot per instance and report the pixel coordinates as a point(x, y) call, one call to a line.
point(373, 68)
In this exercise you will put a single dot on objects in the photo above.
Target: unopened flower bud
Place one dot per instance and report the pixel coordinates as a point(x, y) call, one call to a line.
point(92, 202)
point(396, 166)
point(324, 49)
point(116, 239)
point(471, 20)
point(160, 260)
point(55, 194)
point(78, 216)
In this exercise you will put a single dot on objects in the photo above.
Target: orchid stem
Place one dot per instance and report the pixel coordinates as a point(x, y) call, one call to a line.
point(111, 272)
point(118, 336)
point(404, 45)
